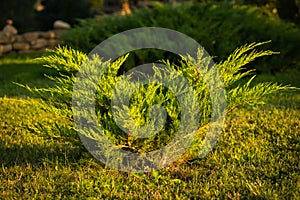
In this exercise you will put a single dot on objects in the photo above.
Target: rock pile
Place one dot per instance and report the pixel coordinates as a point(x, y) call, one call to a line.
point(12, 42)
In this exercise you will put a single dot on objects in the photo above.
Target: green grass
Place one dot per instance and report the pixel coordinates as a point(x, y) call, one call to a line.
point(21, 69)
point(257, 155)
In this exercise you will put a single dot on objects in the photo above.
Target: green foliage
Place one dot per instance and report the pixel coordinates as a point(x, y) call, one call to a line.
point(68, 61)
point(220, 28)
point(97, 5)
point(256, 157)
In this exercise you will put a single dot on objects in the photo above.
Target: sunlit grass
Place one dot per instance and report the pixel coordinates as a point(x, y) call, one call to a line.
point(257, 156)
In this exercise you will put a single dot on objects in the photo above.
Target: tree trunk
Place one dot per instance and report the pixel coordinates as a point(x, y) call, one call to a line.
point(125, 7)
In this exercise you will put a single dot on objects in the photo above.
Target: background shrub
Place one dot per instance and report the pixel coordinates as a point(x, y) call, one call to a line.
point(219, 28)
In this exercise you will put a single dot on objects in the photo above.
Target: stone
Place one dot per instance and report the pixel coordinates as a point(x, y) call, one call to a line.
point(3, 38)
point(10, 30)
point(39, 43)
point(48, 35)
point(59, 24)
point(21, 46)
point(13, 38)
point(19, 38)
point(30, 36)
point(58, 32)
point(53, 43)
point(5, 48)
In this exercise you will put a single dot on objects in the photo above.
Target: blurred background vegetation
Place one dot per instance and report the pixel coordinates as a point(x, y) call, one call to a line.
point(40, 14)
point(220, 25)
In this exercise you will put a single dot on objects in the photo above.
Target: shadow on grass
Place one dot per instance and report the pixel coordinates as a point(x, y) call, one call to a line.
point(24, 70)
point(35, 154)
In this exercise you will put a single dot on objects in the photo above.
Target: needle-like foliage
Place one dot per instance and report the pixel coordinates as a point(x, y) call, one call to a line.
point(136, 117)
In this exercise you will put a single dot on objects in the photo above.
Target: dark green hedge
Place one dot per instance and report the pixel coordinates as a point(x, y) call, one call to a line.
point(220, 28)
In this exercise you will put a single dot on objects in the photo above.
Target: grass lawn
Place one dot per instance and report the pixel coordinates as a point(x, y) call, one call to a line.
point(257, 155)
point(21, 69)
